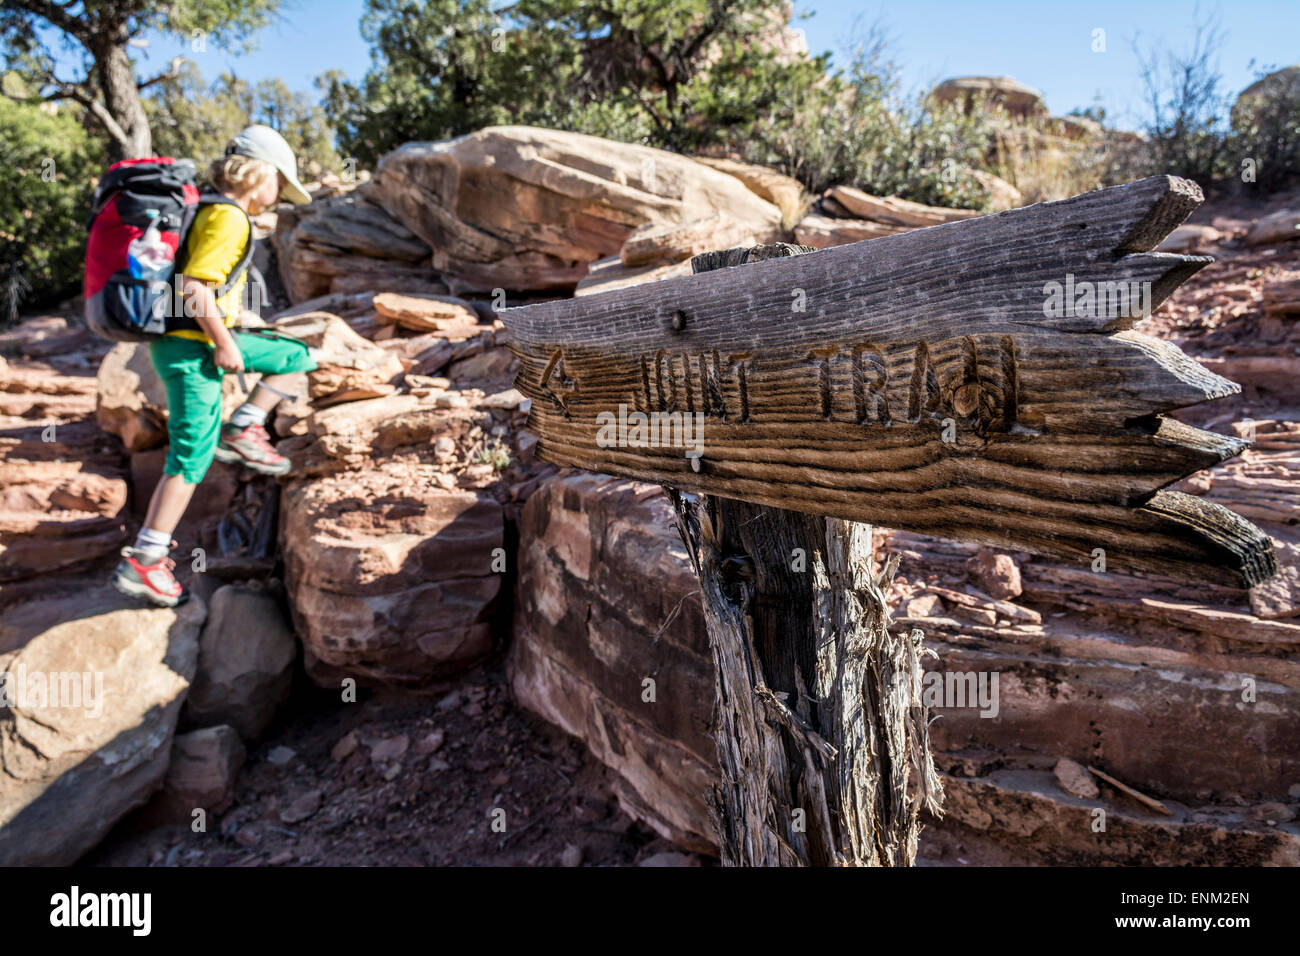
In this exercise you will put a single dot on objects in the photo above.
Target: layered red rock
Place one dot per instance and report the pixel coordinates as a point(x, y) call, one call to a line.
point(131, 402)
point(393, 529)
point(63, 487)
point(391, 578)
point(822, 232)
point(348, 243)
point(659, 243)
point(609, 643)
point(784, 192)
point(426, 313)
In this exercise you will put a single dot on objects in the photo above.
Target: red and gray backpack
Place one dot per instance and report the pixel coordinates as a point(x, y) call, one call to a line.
point(141, 216)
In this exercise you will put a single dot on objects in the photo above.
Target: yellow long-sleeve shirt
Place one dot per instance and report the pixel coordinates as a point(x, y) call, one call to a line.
point(216, 243)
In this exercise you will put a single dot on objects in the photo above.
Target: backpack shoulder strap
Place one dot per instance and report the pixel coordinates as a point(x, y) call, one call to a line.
point(208, 198)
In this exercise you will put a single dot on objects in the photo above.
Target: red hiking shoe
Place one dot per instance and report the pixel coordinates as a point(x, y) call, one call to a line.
point(153, 582)
point(251, 447)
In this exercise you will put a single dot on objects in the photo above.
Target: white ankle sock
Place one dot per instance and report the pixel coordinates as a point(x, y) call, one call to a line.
point(248, 414)
point(154, 544)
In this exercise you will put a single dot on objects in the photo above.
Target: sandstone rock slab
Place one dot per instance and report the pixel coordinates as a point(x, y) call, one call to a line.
point(71, 771)
point(519, 208)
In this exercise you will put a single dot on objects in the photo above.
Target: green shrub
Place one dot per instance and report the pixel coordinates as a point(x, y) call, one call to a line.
point(1266, 132)
point(48, 169)
point(855, 129)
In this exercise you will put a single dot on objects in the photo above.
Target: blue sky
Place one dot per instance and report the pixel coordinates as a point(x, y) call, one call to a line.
point(1046, 44)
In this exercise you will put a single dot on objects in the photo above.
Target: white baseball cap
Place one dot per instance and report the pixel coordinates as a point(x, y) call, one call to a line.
point(262, 142)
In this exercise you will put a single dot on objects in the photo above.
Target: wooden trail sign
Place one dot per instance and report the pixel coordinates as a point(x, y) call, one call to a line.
point(976, 380)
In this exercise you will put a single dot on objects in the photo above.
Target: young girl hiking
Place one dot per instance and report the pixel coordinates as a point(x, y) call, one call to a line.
point(200, 346)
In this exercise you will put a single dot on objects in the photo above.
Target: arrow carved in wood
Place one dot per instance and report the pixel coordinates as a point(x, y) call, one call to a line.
point(977, 380)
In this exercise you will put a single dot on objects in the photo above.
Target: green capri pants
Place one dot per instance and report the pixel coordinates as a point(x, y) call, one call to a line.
point(193, 385)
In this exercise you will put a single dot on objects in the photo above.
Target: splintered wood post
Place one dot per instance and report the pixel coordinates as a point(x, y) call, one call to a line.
point(978, 380)
point(818, 718)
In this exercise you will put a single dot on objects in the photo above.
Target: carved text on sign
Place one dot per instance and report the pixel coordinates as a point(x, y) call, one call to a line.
point(971, 378)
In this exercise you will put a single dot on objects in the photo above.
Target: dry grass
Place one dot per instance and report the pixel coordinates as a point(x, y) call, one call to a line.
point(1044, 166)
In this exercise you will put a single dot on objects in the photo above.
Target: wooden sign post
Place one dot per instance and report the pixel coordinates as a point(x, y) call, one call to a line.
point(976, 380)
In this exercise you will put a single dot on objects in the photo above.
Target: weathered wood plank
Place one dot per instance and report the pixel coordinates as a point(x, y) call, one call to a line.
point(954, 380)
point(988, 271)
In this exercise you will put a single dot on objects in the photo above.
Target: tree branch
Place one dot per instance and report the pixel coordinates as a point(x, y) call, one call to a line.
point(173, 69)
point(57, 16)
point(79, 93)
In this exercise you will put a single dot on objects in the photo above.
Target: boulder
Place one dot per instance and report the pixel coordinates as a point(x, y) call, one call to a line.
point(1190, 238)
point(1001, 195)
point(201, 776)
point(523, 208)
point(390, 576)
point(360, 228)
point(73, 763)
point(392, 570)
point(325, 267)
point(995, 574)
point(606, 601)
point(357, 435)
point(493, 365)
point(1019, 100)
point(1280, 86)
point(246, 655)
point(1279, 226)
point(784, 192)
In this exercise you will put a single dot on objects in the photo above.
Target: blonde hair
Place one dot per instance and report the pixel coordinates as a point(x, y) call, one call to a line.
point(237, 174)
